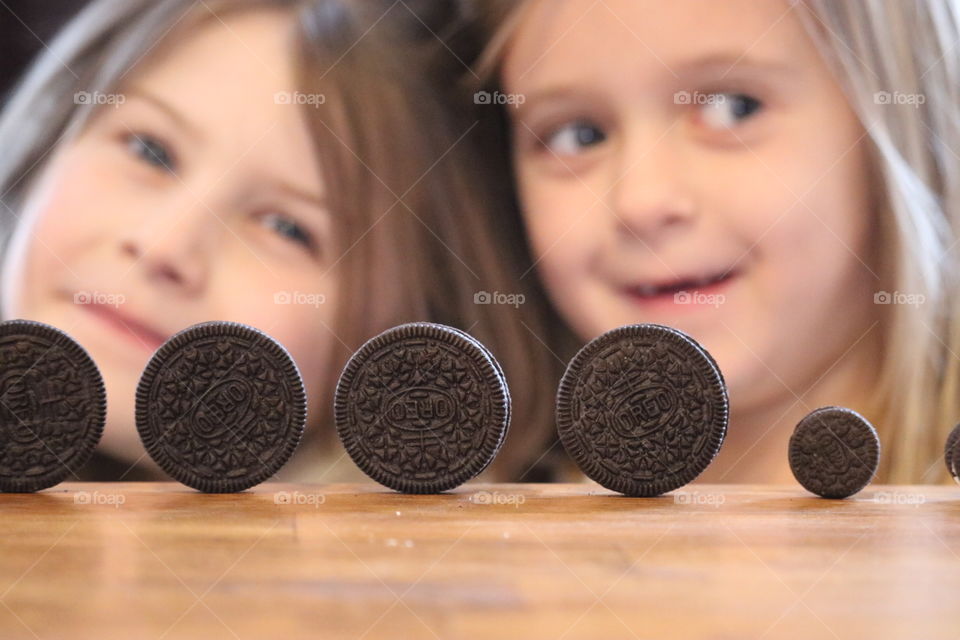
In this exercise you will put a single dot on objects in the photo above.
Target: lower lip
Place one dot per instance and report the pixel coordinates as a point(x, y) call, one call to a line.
point(711, 296)
point(144, 341)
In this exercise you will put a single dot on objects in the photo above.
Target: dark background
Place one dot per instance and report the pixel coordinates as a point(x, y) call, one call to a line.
point(25, 25)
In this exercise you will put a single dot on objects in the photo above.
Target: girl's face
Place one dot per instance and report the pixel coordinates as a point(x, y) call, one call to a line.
point(198, 198)
point(693, 163)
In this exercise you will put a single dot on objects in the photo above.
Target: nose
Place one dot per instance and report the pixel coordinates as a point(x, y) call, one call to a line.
point(170, 245)
point(651, 196)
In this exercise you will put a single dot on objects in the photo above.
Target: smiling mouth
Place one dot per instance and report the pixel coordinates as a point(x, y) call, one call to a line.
point(706, 284)
point(134, 330)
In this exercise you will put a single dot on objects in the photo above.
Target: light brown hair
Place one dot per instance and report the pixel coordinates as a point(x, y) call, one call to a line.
point(413, 238)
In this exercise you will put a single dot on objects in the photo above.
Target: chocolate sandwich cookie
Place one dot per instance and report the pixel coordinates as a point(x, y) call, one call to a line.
point(834, 452)
point(951, 453)
point(221, 407)
point(496, 363)
point(642, 409)
point(53, 406)
point(422, 408)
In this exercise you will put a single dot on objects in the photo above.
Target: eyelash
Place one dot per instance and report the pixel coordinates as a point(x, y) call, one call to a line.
point(546, 141)
point(300, 235)
point(752, 100)
point(578, 127)
point(154, 152)
point(163, 159)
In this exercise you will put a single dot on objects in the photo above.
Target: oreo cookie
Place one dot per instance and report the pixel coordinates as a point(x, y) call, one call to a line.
point(53, 406)
point(422, 408)
point(496, 363)
point(951, 453)
point(221, 407)
point(834, 452)
point(642, 409)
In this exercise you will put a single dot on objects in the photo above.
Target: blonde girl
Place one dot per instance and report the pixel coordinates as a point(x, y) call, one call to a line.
point(777, 178)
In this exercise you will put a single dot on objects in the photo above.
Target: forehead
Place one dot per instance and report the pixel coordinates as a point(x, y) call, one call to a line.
point(224, 74)
point(565, 39)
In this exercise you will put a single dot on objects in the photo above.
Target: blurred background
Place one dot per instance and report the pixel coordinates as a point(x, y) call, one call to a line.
point(25, 25)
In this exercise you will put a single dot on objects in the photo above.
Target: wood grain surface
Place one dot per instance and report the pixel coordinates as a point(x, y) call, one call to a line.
point(157, 560)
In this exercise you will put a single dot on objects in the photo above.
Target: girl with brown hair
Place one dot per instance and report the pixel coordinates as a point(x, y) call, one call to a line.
point(282, 163)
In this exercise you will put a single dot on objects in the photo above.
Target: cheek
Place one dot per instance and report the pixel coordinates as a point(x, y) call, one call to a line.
point(823, 240)
point(57, 219)
point(64, 223)
point(563, 223)
point(70, 198)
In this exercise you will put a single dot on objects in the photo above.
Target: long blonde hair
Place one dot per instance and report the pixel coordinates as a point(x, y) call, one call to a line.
point(878, 50)
point(412, 235)
point(885, 54)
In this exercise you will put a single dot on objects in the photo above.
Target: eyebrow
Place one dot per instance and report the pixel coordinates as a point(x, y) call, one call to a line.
point(171, 112)
point(301, 194)
point(535, 97)
point(721, 63)
point(728, 62)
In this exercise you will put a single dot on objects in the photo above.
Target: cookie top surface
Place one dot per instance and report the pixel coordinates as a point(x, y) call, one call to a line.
point(834, 452)
point(422, 408)
point(642, 409)
point(53, 406)
point(496, 364)
point(221, 407)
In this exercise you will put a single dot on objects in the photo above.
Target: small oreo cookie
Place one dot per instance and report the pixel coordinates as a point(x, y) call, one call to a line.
point(834, 452)
point(221, 407)
point(951, 453)
point(422, 408)
point(642, 409)
point(53, 406)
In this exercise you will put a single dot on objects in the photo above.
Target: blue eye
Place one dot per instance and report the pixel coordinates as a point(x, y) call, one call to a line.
point(288, 229)
point(572, 138)
point(151, 151)
point(727, 110)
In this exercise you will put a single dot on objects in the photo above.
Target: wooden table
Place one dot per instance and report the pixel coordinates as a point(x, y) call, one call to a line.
point(144, 560)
